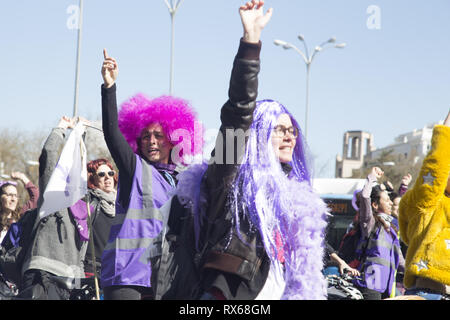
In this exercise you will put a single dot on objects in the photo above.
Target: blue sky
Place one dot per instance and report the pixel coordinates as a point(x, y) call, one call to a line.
point(387, 81)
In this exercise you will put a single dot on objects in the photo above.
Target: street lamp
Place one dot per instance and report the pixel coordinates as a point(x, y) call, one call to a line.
point(172, 6)
point(77, 70)
point(308, 59)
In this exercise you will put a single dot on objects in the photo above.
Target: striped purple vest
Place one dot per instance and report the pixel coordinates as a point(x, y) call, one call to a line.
point(135, 236)
point(381, 262)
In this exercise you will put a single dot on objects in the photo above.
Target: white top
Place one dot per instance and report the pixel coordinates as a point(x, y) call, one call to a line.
point(2, 235)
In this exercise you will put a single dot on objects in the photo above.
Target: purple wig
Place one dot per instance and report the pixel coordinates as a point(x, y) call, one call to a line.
point(176, 117)
point(275, 203)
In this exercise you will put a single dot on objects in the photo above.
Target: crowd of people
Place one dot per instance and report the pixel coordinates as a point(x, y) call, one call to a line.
point(244, 225)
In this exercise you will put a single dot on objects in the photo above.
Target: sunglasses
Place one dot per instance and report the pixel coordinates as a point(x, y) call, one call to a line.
point(102, 174)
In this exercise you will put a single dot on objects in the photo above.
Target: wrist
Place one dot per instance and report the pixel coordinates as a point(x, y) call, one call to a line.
point(251, 37)
point(108, 85)
point(249, 51)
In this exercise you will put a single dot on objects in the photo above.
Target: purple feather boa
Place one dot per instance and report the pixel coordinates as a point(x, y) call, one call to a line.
point(302, 229)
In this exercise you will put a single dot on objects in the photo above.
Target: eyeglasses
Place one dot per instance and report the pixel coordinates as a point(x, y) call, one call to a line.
point(102, 174)
point(11, 195)
point(280, 131)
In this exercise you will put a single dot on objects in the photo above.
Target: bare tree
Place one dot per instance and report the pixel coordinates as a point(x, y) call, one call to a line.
point(19, 151)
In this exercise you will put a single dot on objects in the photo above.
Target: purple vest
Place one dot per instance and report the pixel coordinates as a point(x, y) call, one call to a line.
point(135, 236)
point(382, 259)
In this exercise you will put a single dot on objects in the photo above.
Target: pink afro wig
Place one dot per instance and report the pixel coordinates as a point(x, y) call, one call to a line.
point(175, 115)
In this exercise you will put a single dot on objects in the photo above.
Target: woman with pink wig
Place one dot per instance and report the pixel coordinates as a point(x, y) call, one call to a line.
point(147, 139)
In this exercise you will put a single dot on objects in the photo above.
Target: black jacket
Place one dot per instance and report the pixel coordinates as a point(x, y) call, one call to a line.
point(224, 261)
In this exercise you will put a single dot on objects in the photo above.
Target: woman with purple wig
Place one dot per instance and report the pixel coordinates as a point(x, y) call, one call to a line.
point(147, 139)
point(247, 225)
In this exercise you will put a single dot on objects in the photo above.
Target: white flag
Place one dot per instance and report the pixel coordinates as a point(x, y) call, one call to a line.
point(68, 182)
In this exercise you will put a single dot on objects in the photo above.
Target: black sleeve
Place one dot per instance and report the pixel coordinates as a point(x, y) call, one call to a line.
point(119, 148)
point(236, 117)
point(237, 112)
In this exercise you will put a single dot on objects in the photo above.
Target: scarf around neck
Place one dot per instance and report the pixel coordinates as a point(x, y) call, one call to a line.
point(106, 200)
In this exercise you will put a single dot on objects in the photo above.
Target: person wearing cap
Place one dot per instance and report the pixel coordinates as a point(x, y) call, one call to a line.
point(148, 138)
point(424, 219)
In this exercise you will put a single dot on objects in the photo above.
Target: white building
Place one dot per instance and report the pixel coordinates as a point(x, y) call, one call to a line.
point(415, 143)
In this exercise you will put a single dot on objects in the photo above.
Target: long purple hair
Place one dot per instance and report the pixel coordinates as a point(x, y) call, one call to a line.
point(283, 205)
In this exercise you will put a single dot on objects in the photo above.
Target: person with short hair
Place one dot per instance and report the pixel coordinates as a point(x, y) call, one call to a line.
point(102, 183)
point(59, 244)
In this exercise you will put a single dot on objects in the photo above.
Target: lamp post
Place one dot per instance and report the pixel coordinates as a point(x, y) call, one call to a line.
point(173, 7)
point(77, 70)
point(308, 59)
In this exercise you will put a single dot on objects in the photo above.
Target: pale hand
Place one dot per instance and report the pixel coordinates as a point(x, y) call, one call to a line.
point(66, 122)
point(377, 172)
point(20, 176)
point(110, 70)
point(254, 20)
point(406, 180)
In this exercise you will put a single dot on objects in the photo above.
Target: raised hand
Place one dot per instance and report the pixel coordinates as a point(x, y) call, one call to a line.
point(254, 20)
point(377, 172)
point(110, 70)
point(406, 179)
point(20, 176)
point(84, 121)
point(66, 122)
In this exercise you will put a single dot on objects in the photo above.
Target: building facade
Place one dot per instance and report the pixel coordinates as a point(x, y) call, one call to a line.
point(358, 149)
point(357, 144)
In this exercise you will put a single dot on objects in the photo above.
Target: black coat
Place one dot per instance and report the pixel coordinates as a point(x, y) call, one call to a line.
point(224, 261)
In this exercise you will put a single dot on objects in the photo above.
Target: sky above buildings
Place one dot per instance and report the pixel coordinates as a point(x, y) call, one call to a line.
point(393, 75)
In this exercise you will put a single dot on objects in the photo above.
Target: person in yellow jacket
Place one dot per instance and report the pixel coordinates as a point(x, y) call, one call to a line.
point(424, 219)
